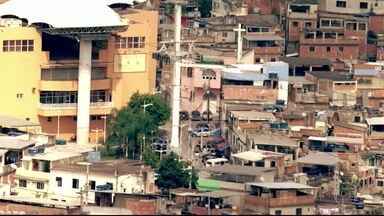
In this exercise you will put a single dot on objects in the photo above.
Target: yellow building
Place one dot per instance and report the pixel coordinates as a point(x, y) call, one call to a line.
point(39, 72)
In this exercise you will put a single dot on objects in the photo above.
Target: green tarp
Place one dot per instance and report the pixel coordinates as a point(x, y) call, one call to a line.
point(208, 185)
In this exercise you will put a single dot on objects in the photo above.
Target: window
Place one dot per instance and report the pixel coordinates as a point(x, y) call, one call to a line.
point(273, 164)
point(311, 49)
point(295, 24)
point(49, 119)
point(257, 60)
point(351, 26)
point(273, 59)
point(22, 183)
point(74, 118)
point(19, 95)
point(299, 211)
point(363, 5)
point(75, 183)
point(357, 119)
point(18, 45)
point(96, 117)
point(40, 185)
point(278, 212)
point(189, 72)
point(59, 181)
point(308, 24)
point(342, 4)
point(129, 42)
point(325, 23)
point(362, 27)
point(341, 49)
point(92, 185)
point(380, 183)
point(225, 34)
point(328, 49)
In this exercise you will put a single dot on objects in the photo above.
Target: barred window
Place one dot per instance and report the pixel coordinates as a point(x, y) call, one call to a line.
point(18, 45)
point(130, 42)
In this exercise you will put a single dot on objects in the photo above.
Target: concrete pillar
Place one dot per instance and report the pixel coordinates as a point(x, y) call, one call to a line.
point(84, 92)
point(175, 142)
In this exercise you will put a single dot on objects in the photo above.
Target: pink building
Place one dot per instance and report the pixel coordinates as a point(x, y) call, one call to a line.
point(197, 85)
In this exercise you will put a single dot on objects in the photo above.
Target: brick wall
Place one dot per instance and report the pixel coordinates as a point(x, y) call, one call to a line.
point(335, 52)
point(376, 23)
point(138, 207)
point(253, 93)
point(14, 208)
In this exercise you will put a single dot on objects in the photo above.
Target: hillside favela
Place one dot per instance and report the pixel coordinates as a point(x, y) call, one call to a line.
point(192, 107)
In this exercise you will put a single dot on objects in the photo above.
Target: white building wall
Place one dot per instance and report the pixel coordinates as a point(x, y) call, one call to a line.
point(306, 210)
point(125, 184)
point(283, 91)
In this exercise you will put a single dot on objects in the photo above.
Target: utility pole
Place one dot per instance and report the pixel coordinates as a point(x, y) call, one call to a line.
point(86, 185)
point(208, 93)
point(143, 145)
point(175, 145)
point(239, 31)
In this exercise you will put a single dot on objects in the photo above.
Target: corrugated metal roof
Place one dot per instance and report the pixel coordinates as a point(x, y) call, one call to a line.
point(281, 185)
point(253, 115)
point(319, 158)
point(365, 72)
point(12, 143)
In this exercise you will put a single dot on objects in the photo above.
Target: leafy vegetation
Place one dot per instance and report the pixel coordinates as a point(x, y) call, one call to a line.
point(174, 173)
point(129, 125)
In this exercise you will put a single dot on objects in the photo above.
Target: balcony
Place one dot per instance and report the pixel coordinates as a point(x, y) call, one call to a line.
point(49, 64)
point(279, 202)
point(72, 85)
point(22, 173)
point(70, 109)
point(329, 41)
point(297, 15)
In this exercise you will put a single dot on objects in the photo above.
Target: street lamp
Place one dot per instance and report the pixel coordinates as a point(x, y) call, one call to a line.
point(141, 147)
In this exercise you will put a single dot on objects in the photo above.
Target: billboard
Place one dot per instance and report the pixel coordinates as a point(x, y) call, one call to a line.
point(130, 63)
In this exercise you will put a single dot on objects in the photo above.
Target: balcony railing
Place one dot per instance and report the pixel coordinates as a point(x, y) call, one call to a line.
point(74, 105)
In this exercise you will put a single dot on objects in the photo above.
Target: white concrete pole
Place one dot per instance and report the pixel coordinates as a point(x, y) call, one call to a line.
point(84, 92)
point(176, 83)
point(239, 31)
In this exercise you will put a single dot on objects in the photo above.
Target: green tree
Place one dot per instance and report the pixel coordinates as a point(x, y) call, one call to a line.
point(151, 158)
point(159, 111)
point(128, 126)
point(205, 7)
point(173, 173)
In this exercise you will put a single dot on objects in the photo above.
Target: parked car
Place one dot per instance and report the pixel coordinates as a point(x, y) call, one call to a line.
point(205, 116)
point(202, 131)
point(184, 115)
point(195, 116)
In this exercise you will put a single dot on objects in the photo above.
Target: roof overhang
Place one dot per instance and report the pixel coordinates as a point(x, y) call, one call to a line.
point(91, 33)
